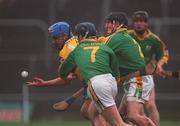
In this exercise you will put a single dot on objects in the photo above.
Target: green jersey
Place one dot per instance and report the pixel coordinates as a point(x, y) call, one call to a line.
point(152, 47)
point(127, 51)
point(92, 58)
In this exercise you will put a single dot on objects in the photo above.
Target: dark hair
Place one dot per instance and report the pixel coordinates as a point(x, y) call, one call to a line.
point(140, 15)
point(120, 17)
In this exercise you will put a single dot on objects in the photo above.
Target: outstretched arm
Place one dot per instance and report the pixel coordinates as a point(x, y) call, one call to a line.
point(39, 82)
point(161, 55)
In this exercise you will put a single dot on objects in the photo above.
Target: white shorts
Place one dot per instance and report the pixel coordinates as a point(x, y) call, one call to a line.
point(138, 88)
point(102, 89)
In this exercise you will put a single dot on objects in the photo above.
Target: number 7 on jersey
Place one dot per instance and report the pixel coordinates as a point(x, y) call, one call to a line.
point(93, 53)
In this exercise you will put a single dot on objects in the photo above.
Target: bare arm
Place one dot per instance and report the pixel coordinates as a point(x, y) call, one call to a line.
point(39, 82)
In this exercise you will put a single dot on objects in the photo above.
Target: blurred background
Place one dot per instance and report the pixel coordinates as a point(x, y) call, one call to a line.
point(25, 45)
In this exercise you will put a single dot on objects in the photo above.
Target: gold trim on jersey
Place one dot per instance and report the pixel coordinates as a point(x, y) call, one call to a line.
point(146, 35)
point(110, 36)
point(103, 39)
point(89, 39)
point(120, 29)
point(143, 37)
point(68, 47)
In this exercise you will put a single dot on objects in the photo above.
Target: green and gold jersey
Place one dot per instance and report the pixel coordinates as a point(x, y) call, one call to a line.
point(127, 50)
point(152, 47)
point(92, 58)
point(68, 47)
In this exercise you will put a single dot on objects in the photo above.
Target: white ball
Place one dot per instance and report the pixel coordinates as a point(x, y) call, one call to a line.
point(24, 74)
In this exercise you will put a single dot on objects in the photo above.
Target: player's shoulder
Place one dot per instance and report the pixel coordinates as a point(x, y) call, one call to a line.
point(72, 40)
point(103, 39)
point(105, 47)
point(154, 36)
point(68, 47)
point(130, 31)
point(121, 33)
point(71, 43)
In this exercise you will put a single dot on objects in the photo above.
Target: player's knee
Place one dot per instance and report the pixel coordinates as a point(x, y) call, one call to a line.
point(132, 116)
point(151, 105)
point(84, 112)
point(138, 119)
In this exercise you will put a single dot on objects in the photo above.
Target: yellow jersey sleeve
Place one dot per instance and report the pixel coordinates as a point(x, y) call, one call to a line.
point(165, 57)
point(68, 47)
